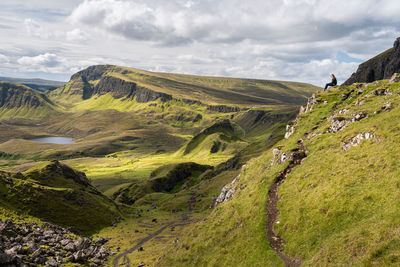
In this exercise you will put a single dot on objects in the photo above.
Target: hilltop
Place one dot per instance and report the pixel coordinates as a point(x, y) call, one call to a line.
point(145, 86)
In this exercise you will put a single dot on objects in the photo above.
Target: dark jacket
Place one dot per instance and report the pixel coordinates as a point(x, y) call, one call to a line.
point(334, 81)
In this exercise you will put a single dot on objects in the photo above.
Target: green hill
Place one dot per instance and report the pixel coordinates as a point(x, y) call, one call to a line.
point(161, 145)
point(144, 86)
point(37, 84)
point(58, 194)
point(337, 178)
point(20, 101)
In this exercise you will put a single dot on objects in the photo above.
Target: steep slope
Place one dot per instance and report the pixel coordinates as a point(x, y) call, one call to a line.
point(21, 101)
point(144, 86)
point(325, 196)
point(58, 194)
point(380, 67)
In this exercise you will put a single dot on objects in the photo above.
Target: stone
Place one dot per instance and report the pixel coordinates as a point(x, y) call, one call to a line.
point(227, 192)
point(355, 141)
point(395, 78)
point(51, 262)
point(37, 253)
point(379, 92)
point(70, 247)
point(79, 256)
point(289, 131)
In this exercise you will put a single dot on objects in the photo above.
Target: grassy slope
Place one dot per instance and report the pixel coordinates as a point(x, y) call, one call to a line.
point(209, 90)
point(214, 89)
point(14, 110)
point(337, 208)
point(52, 195)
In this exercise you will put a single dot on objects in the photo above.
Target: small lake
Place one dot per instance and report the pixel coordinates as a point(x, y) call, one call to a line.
point(55, 140)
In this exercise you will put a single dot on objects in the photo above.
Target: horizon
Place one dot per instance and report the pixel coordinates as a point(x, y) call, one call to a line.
point(301, 41)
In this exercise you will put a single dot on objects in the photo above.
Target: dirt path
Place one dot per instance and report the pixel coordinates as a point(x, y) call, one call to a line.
point(124, 254)
point(275, 241)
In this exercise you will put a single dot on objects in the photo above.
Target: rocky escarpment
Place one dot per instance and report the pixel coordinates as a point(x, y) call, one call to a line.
point(118, 88)
point(15, 96)
point(223, 108)
point(381, 67)
point(29, 244)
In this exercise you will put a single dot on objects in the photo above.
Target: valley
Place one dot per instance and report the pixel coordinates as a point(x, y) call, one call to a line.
point(160, 146)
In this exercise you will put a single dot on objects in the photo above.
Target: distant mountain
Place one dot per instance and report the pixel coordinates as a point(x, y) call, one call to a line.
point(380, 67)
point(144, 86)
point(37, 84)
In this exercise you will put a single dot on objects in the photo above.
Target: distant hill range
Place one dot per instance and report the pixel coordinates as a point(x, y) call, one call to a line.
point(37, 84)
point(380, 67)
point(144, 86)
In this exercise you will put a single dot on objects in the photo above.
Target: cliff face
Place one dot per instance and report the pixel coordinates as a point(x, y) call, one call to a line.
point(16, 96)
point(380, 67)
point(119, 88)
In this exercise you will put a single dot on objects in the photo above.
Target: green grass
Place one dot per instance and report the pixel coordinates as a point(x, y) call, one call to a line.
point(50, 193)
point(336, 209)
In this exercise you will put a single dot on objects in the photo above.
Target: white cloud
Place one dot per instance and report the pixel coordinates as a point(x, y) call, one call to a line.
point(34, 28)
point(47, 62)
point(76, 35)
point(275, 39)
point(229, 21)
point(4, 59)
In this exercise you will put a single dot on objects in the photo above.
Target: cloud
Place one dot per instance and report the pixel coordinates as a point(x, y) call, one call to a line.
point(232, 21)
point(4, 59)
point(76, 35)
point(33, 28)
point(47, 62)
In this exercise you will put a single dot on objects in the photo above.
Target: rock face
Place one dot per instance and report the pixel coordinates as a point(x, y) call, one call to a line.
point(48, 245)
point(223, 109)
point(95, 81)
point(15, 96)
point(381, 67)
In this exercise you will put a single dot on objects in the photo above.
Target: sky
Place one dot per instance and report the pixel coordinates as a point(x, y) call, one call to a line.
point(292, 40)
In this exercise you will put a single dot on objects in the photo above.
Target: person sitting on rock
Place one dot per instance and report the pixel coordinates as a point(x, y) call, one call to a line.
point(333, 83)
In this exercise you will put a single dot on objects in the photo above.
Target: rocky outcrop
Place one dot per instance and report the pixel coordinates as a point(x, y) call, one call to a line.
point(289, 131)
point(117, 87)
point(395, 78)
point(311, 102)
point(144, 95)
point(339, 123)
point(355, 141)
point(103, 83)
point(50, 245)
point(381, 67)
point(227, 192)
point(223, 108)
point(92, 73)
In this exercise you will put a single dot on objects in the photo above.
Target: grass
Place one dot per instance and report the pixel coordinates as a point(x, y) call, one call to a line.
point(52, 195)
point(120, 142)
point(336, 209)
